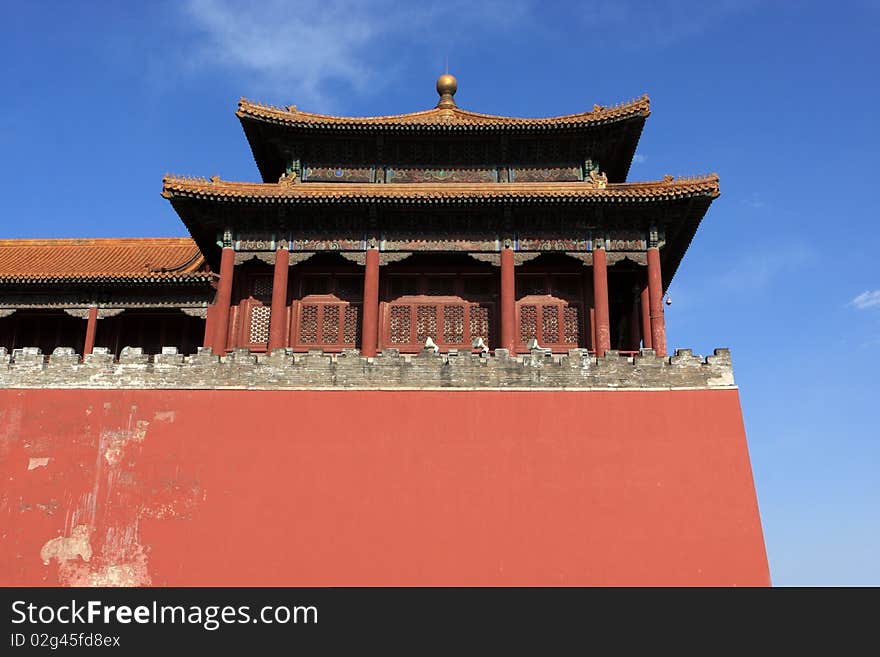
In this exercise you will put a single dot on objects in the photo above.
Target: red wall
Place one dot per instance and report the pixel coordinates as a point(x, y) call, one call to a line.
point(325, 488)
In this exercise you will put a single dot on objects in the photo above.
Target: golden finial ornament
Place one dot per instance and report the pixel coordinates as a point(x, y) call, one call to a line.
point(447, 85)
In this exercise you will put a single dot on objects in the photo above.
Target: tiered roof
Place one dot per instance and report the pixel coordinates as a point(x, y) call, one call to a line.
point(105, 260)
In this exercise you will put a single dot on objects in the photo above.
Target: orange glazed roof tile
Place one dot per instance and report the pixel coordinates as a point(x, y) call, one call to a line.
point(443, 118)
point(218, 190)
point(134, 260)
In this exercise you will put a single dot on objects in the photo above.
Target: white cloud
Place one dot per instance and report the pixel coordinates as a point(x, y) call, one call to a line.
point(754, 201)
point(639, 158)
point(757, 269)
point(662, 22)
point(313, 51)
point(867, 299)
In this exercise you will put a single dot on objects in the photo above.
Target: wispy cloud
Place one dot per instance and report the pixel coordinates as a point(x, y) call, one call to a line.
point(754, 201)
point(639, 158)
point(319, 49)
point(662, 22)
point(759, 269)
point(867, 299)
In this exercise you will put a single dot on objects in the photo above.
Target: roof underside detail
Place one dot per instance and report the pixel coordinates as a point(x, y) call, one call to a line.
point(444, 118)
point(130, 260)
point(218, 190)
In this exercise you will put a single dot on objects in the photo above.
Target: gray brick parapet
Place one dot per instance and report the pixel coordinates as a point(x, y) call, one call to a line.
point(282, 369)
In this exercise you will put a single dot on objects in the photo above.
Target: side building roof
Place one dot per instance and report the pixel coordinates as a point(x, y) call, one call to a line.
point(121, 260)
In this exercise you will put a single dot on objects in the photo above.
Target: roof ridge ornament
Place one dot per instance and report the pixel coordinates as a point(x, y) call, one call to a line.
point(447, 85)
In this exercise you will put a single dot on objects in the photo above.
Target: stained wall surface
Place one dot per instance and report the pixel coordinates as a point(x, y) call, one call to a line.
point(353, 487)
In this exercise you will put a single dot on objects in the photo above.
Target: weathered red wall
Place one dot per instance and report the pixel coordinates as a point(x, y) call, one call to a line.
point(376, 488)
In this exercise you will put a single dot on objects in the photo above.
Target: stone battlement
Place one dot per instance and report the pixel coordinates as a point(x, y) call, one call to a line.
point(284, 370)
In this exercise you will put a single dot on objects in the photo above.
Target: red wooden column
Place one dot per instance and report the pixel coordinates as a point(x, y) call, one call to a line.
point(209, 327)
point(646, 317)
point(600, 300)
point(91, 329)
point(508, 300)
point(655, 292)
point(635, 326)
point(279, 300)
point(223, 300)
point(370, 324)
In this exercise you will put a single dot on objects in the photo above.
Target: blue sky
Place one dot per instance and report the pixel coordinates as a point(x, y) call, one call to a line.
point(778, 98)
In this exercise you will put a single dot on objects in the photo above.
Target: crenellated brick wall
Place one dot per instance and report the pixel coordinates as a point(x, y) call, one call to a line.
point(283, 370)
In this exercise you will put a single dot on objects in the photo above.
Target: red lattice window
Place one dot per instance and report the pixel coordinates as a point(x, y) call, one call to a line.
point(450, 322)
point(453, 324)
point(555, 323)
point(308, 324)
point(331, 325)
point(528, 323)
point(350, 327)
point(426, 323)
point(479, 322)
point(572, 325)
point(259, 324)
point(400, 324)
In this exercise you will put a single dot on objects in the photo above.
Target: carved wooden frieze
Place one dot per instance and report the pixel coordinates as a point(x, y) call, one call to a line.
point(104, 313)
point(323, 243)
point(6, 312)
point(437, 175)
point(584, 257)
point(427, 242)
point(546, 174)
point(295, 257)
point(79, 306)
point(627, 240)
point(263, 256)
point(262, 241)
point(357, 257)
point(493, 259)
point(200, 312)
point(338, 174)
point(639, 258)
point(533, 242)
point(79, 313)
point(519, 257)
point(386, 257)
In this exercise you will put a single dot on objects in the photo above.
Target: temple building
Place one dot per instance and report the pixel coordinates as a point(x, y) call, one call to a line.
point(381, 232)
point(425, 349)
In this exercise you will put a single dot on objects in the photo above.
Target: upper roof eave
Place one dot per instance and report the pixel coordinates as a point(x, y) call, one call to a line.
point(218, 190)
point(438, 118)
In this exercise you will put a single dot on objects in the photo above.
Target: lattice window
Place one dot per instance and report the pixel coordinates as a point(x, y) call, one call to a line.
point(528, 323)
point(550, 323)
point(262, 288)
point(571, 325)
point(308, 324)
point(400, 324)
point(350, 328)
point(259, 329)
point(330, 325)
point(453, 324)
point(479, 322)
point(426, 323)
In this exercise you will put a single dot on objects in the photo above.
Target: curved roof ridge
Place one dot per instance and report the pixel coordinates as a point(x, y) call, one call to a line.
point(640, 106)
